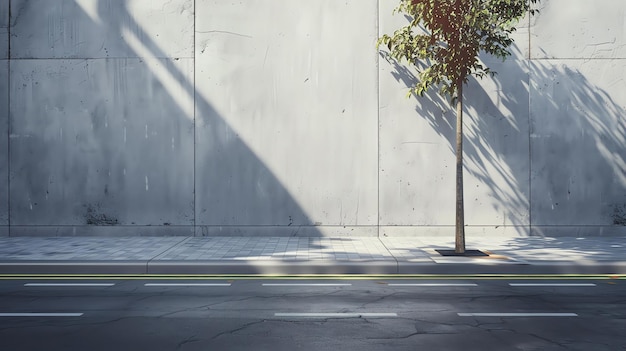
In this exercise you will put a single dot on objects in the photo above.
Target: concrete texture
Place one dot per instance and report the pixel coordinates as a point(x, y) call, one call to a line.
point(577, 104)
point(4, 118)
point(291, 136)
point(577, 29)
point(4, 144)
point(417, 147)
point(578, 171)
point(414, 141)
point(4, 115)
point(109, 143)
point(289, 230)
point(101, 28)
point(280, 118)
point(496, 148)
point(308, 255)
point(415, 157)
point(4, 29)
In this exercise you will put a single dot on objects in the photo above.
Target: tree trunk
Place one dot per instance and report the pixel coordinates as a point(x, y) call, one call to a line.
point(459, 246)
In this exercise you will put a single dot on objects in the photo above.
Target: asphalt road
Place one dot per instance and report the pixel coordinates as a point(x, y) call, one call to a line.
point(297, 314)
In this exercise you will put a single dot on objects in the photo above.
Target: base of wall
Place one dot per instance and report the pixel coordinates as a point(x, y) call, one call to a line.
point(46, 231)
point(121, 231)
point(445, 231)
point(289, 231)
point(578, 231)
point(505, 231)
point(315, 231)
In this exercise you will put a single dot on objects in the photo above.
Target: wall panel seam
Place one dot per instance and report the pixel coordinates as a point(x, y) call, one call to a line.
point(195, 9)
point(378, 121)
point(8, 111)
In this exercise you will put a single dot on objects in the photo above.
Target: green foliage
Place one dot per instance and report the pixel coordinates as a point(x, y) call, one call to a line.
point(444, 38)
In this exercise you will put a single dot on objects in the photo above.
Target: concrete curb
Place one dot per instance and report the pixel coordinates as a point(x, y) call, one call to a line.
point(520, 269)
point(73, 267)
point(260, 267)
point(273, 267)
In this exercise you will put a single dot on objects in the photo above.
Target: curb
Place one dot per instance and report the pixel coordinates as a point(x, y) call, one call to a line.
point(265, 267)
point(73, 267)
point(273, 267)
point(572, 268)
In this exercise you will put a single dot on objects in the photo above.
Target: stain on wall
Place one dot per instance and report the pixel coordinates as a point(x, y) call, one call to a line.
point(95, 216)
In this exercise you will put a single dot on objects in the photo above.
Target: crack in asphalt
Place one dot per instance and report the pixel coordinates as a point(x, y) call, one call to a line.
point(547, 340)
point(247, 325)
point(188, 340)
point(278, 296)
point(424, 311)
point(380, 298)
point(402, 336)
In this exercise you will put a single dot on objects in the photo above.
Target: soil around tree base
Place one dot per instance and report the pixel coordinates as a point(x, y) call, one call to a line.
point(468, 253)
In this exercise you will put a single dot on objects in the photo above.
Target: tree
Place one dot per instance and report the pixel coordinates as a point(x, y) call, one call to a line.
point(443, 41)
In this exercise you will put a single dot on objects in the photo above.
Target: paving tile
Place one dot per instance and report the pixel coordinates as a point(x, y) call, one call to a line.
point(230, 249)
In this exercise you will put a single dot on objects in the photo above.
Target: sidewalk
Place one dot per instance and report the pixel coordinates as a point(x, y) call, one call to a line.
point(308, 255)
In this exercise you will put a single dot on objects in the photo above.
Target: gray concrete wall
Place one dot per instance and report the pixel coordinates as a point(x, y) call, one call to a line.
point(279, 117)
point(544, 141)
point(417, 162)
point(4, 117)
point(290, 137)
point(577, 110)
point(102, 117)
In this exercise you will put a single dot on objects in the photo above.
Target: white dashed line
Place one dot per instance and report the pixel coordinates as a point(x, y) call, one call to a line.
point(552, 284)
point(40, 314)
point(436, 284)
point(69, 284)
point(517, 314)
point(304, 284)
point(336, 315)
point(186, 284)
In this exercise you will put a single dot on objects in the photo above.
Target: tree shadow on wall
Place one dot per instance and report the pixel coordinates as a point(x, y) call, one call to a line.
point(546, 142)
point(149, 148)
point(578, 139)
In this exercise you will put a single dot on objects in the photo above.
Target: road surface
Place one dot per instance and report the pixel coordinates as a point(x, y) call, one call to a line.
point(382, 313)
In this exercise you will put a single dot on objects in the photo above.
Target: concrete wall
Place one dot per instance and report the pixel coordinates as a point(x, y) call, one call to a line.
point(417, 141)
point(279, 117)
point(290, 137)
point(4, 117)
point(577, 114)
